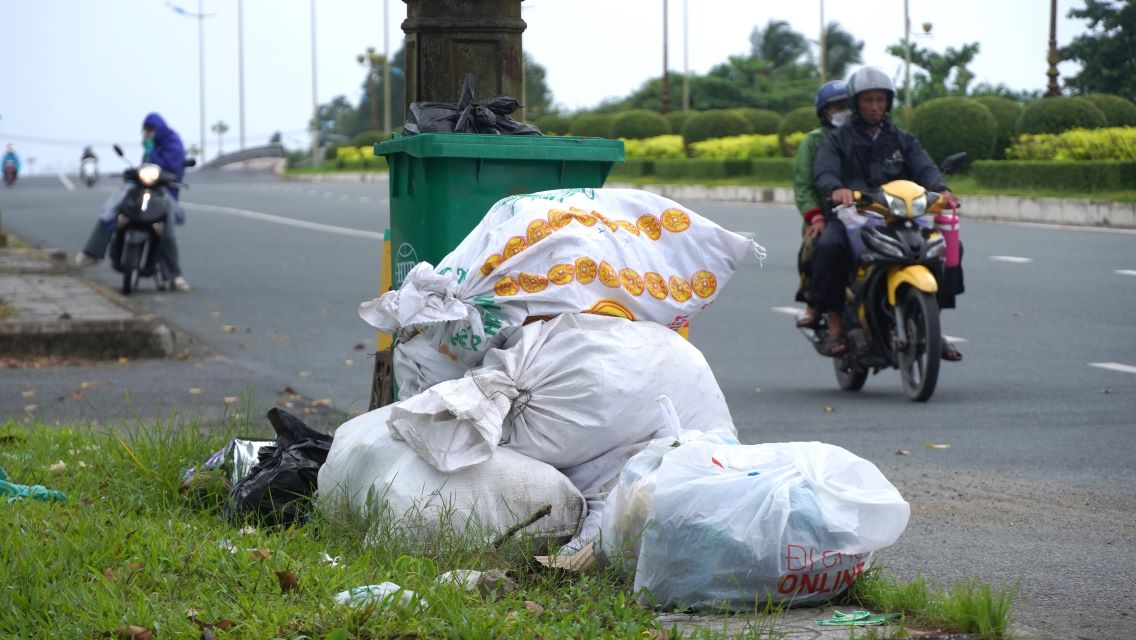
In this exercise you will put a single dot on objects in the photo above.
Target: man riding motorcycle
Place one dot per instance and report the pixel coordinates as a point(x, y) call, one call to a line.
point(862, 155)
point(11, 162)
point(164, 148)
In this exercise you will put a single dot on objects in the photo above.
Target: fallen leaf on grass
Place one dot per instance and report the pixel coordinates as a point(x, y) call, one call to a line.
point(359, 346)
point(262, 554)
point(78, 394)
point(93, 384)
point(229, 328)
point(194, 391)
point(82, 465)
point(183, 355)
point(248, 531)
point(289, 391)
point(231, 399)
point(348, 362)
point(304, 374)
point(932, 445)
point(829, 409)
point(134, 632)
point(30, 407)
point(29, 394)
point(123, 359)
point(902, 452)
point(322, 402)
point(533, 606)
point(58, 467)
point(65, 316)
point(288, 581)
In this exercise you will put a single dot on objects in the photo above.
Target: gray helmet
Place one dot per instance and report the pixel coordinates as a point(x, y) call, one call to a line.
point(869, 79)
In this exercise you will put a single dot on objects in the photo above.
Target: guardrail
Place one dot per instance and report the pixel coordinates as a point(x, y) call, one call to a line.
point(252, 153)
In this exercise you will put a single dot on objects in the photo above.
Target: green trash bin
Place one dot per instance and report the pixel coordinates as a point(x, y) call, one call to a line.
point(442, 184)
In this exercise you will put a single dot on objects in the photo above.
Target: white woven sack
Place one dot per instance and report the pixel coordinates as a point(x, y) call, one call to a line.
point(365, 463)
point(620, 252)
point(564, 391)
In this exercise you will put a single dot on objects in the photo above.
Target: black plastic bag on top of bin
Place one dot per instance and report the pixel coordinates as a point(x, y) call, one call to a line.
point(467, 116)
point(277, 489)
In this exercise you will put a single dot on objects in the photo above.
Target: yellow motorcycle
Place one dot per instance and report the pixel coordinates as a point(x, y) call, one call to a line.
point(892, 312)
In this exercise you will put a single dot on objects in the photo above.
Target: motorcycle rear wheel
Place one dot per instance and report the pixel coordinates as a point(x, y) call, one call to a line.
point(919, 361)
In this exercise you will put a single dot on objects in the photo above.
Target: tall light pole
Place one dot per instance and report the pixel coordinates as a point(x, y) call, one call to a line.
point(201, 16)
point(907, 58)
point(386, 70)
point(665, 93)
point(316, 160)
point(1052, 89)
point(685, 56)
point(823, 47)
point(241, 65)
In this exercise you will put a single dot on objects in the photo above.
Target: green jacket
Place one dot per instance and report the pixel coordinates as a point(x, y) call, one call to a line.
point(803, 190)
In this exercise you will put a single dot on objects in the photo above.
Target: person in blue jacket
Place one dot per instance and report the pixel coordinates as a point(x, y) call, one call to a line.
point(164, 148)
point(10, 156)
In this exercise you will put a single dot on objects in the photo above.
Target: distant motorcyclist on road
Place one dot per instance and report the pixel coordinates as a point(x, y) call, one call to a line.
point(88, 153)
point(11, 164)
point(164, 148)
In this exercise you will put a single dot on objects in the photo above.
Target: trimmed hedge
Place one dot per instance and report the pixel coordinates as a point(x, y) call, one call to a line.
point(633, 168)
point(369, 138)
point(1105, 175)
point(949, 125)
point(637, 124)
point(1006, 112)
point(763, 121)
point(658, 147)
point(770, 170)
point(799, 119)
point(677, 120)
point(718, 123)
point(553, 124)
point(592, 125)
point(1118, 112)
point(1059, 114)
point(748, 146)
point(1112, 143)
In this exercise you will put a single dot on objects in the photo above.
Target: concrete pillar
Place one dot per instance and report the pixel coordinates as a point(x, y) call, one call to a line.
point(445, 39)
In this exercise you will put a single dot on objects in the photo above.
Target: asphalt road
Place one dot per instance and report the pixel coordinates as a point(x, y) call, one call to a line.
point(1037, 488)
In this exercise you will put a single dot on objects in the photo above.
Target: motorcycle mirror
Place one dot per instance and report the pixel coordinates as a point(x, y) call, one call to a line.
point(954, 162)
point(190, 163)
point(118, 151)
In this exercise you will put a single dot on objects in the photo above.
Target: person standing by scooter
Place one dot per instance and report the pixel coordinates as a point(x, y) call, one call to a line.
point(163, 147)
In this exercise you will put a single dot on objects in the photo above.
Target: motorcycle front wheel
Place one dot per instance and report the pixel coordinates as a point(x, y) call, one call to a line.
point(920, 357)
point(131, 263)
point(848, 376)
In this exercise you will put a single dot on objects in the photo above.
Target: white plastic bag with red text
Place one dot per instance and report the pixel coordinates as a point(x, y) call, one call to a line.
point(732, 525)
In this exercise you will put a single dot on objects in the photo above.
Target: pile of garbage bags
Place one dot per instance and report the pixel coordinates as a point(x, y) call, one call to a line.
point(540, 366)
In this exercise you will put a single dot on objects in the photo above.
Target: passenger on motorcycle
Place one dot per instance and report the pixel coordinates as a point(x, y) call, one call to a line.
point(832, 111)
point(861, 155)
point(164, 148)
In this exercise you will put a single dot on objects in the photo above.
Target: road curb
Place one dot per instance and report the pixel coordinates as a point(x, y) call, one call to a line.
point(55, 311)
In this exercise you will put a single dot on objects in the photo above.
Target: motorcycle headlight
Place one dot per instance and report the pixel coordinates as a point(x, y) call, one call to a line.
point(148, 174)
point(896, 206)
point(919, 206)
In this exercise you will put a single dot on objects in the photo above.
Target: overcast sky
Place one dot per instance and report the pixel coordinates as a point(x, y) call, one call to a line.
point(77, 72)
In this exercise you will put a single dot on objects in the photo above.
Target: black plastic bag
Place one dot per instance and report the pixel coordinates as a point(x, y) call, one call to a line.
point(467, 116)
point(277, 489)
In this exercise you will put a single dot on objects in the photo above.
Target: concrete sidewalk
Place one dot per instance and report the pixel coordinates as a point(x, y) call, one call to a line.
point(47, 309)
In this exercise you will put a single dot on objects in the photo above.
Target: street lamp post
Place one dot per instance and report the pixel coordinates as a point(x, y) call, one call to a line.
point(220, 128)
point(824, 47)
point(685, 56)
point(386, 70)
point(241, 65)
point(1052, 89)
point(666, 88)
point(907, 57)
point(200, 16)
point(316, 160)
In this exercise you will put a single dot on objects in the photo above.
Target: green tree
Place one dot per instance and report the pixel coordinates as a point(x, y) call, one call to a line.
point(1105, 54)
point(338, 117)
point(778, 44)
point(397, 99)
point(538, 97)
point(937, 81)
point(842, 50)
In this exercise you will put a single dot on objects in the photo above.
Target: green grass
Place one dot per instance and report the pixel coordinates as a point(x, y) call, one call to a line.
point(127, 547)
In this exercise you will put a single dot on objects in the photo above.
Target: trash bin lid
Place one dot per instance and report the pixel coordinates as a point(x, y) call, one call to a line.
point(503, 147)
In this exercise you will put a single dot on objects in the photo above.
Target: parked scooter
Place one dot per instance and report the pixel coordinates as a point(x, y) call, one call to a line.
point(89, 171)
point(142, 217)
point(892, 313)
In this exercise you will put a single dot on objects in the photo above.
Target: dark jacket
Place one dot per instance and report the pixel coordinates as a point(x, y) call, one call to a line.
point(849, 158)
point(168, 153)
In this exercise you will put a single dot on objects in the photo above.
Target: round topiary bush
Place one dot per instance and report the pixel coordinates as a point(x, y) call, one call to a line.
point(1006, 112)
point(763, 121)
point(592, 125)
point(677, 120)
point(949, 125)
point(799, 119)
point(1059, 114)
point(717, 123)
point(637, 124)
point(553, 124)
point(1118, 112)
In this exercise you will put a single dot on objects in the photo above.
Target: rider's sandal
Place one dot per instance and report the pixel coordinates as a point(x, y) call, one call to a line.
point(949, 352)
point(834, 346)
point(808, 318)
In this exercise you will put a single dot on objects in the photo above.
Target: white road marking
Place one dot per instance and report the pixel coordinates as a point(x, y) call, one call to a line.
point(789, 311)
point(1014, 259)
point(1114, 366)
point(67, 184)
point(289, 222)
point(1126, 272)
point(364, 198)
point(954, 338)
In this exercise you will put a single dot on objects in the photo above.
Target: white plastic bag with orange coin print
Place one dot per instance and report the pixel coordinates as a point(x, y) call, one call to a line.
point(617, 252)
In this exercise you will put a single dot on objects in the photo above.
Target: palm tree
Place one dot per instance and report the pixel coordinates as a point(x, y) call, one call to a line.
point(778, 44)
point(842, 50)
